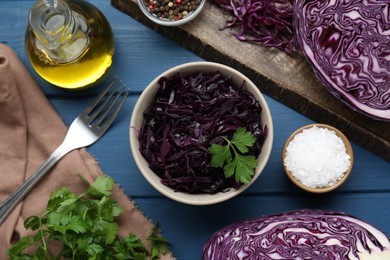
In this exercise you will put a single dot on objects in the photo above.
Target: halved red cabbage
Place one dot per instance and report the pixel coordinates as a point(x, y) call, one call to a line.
point(348, 45)
point(301, 234)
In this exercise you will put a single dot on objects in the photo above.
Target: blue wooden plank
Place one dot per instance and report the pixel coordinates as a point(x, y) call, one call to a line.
point(13, 20)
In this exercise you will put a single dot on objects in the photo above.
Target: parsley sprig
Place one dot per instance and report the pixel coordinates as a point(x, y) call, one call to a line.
point(231, 157)
point(85, 225)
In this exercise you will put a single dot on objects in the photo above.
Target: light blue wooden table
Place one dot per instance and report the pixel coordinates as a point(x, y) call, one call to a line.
point(141, 55)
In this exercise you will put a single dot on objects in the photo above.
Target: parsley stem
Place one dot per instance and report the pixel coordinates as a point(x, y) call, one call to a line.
point(231, 146)
point(44, 244)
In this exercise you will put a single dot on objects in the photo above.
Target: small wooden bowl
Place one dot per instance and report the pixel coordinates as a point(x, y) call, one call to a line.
point(322, 189)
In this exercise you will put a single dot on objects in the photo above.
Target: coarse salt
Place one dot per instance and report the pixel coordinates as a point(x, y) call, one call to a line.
point(317, 157)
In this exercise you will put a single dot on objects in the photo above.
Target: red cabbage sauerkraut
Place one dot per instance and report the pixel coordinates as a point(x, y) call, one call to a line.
point(348, 45)
point(304, 234)
point(189, 114)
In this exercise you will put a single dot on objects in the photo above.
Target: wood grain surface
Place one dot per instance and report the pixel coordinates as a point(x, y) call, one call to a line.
point(286, 78)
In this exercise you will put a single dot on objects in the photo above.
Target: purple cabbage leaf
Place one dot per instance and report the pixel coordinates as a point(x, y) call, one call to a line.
point(348, 46)
point(265, 22)
point(301, 234)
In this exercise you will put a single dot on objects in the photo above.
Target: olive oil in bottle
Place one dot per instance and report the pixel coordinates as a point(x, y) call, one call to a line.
point(69, 42)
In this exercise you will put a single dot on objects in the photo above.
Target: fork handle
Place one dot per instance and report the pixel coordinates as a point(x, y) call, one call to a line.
point(7, 206)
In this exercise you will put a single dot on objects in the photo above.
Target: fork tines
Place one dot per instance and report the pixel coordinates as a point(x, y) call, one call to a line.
point(107, 104)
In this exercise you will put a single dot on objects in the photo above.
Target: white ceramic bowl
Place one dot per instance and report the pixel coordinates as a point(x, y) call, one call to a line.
point(147, 98)
point(167, 22)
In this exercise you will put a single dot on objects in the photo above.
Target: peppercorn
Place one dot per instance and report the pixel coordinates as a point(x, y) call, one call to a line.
point(172, 9)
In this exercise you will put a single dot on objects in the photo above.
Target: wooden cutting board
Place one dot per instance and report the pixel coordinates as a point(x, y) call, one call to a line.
point(286, 78)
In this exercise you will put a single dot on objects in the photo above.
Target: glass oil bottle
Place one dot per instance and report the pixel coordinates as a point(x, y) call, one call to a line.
point(69, 42)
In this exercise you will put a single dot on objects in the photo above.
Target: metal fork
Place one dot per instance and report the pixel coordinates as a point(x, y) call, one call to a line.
point(86, 129)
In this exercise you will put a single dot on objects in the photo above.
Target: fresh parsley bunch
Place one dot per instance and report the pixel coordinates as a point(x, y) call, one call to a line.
point(85, 225)
point(231, 157)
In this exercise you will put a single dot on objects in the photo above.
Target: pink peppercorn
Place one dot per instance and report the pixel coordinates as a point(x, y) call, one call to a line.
point(171, 9)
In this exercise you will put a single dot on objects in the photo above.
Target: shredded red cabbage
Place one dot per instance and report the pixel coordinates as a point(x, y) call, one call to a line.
point(190, 113)
point(303, 234)
point(265, 22)
point(348, 45)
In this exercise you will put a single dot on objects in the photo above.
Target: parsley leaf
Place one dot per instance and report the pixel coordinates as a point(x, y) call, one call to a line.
point(101, 187)
point(231, 157)
point(221, 155)
point(85, 225)
point(158, 244)
point(243, 139)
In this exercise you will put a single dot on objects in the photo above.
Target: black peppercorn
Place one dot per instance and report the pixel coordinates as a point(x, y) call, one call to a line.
point(172, 9)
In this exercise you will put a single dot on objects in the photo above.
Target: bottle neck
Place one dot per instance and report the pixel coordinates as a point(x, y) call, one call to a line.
point(59, 31)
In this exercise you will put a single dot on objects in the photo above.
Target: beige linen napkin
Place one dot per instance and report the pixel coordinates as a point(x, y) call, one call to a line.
point(30, 130)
